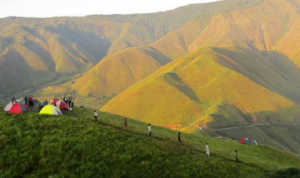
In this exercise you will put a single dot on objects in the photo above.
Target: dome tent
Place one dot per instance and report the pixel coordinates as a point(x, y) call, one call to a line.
point(37, 105)
point(60, 104)
point(247, 141)
point(8, 106)
point(50, 110)
point(18, 108)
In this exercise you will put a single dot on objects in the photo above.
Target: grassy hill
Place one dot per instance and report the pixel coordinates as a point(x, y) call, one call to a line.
point(119, 70)
point(74, 145)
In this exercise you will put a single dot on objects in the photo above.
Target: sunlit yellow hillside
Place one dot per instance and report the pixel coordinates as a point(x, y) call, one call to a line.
point(262, 27)
point(175, 44)
point(119, 70)
point(192, 89)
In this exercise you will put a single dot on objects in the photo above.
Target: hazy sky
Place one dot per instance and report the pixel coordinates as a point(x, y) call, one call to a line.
point(51, 8)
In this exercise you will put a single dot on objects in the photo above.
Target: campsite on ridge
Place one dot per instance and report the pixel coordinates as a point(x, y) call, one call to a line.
point(203, 90)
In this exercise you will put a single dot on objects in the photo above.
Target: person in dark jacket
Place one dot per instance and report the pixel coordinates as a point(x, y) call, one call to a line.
point(69, 102)
point(72, 103)
point(236, 157)
point(26, 100)
point(13, 100)
point(179, 139)
point(125, 123)
point(30, 101)
point(45, 102)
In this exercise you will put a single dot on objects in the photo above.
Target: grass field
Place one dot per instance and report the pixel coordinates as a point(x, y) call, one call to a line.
point(73, 145)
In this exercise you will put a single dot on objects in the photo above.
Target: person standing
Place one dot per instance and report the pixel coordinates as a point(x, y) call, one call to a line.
point(207, 150)
point(13, 100)
point(45, 102)
point(26, 100)
point(179, 139)
point(96, 116)
point(125, 123)
point(72, 103)
point(236, 157)
point(69, 102)
point(149, 129)
point(30, 101)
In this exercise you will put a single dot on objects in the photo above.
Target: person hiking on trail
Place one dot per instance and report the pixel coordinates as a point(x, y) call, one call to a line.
point(207, 149)
point(149, 129)
point(96, 116)
point(125, 123)
point(236, 157)
point(13, 100)
point(179, 139)
point(65, 99)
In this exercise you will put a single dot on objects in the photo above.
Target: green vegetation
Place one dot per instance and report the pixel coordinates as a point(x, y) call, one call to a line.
point(74, 145)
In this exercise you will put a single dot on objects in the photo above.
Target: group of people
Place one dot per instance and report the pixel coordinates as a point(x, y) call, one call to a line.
point(69, 101)
point(178, 136)
point(28, 100)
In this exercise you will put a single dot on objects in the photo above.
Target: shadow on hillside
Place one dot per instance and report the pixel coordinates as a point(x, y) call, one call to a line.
point(270, 69)
point(96, 45)
point(161, 58)
point(175, 81)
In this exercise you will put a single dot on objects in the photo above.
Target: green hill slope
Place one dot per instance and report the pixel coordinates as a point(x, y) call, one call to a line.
point(74, 146)
point(210, 88)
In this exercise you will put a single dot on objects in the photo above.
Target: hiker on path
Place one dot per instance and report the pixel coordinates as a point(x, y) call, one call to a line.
point(179, 139)
point(207, 149)
point(149, 129)
point(96, 116)
point(125, 123)
point(236, 157)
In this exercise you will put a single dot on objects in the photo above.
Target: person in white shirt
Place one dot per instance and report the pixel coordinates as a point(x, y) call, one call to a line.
point(207, 149)
point(95, 115)
point(149, 129)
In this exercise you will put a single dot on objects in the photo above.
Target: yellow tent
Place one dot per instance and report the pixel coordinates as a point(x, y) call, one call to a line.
point(51, 110)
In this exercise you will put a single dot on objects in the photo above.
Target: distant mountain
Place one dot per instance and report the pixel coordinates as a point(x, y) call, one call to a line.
point(52, 49)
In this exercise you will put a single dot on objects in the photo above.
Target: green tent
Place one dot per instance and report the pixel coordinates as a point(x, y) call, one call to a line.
point(37, 105)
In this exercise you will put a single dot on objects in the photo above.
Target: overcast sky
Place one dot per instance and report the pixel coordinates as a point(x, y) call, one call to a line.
point(53, 8)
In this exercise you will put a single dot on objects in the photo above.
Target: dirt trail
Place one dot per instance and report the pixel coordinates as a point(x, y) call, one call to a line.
point(248, 126)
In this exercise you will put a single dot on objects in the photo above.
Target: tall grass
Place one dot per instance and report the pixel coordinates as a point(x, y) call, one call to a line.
point(73, 145)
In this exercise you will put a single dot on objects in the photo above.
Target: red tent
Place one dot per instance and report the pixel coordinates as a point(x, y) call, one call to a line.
point(60, 104)
point(18, 108)
point(247, 141)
